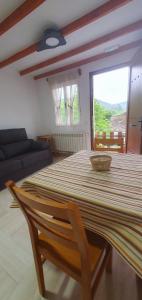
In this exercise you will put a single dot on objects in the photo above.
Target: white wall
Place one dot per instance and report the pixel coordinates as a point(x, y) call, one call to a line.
point(19, 104)
point(46, 101)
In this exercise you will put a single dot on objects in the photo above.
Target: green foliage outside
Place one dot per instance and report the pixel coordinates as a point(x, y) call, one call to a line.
point(101, 118)
point(76, 110)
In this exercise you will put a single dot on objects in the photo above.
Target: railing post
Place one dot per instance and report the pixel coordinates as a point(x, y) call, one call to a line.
point(104, 135)
point(112, 134)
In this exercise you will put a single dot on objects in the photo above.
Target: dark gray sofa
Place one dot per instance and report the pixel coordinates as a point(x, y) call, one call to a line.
point(20, 156)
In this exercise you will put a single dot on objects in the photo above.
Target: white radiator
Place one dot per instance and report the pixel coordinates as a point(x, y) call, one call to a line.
point(70, 142)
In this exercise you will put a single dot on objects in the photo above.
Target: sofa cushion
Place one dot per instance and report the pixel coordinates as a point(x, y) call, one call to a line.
point(2, 157)
point(9, 166)
point(8, 136)
point(33, 158)
point(39, 145)
point(14, 149)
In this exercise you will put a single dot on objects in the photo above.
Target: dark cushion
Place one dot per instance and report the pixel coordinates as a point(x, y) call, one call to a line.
point(39, 145)
point(9, 166)
point(15, 149)
point(33, 158)
point(8, 136)
point(2, 157)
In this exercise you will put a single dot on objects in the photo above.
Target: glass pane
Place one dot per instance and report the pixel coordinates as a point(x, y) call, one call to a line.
point(75, 108)
point(69, 100)
point(57, 99)
point(60, 107)
point(63, 114)
point(67, 109)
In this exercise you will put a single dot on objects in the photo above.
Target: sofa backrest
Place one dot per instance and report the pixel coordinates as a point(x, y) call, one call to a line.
point(8, 136)
point(14, 149)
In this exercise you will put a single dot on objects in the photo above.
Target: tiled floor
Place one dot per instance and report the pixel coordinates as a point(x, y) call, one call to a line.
point(17, 273)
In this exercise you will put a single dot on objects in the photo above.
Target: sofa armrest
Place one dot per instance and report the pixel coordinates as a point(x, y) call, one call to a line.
point(39, 145)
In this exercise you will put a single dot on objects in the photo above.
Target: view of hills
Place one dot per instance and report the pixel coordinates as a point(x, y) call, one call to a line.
point(109, 117)
point(116, 108)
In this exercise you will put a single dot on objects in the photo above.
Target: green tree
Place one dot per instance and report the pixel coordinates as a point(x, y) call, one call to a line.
point(102, 117)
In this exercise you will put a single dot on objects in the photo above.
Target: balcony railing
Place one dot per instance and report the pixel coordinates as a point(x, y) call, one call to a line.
point(115, 141)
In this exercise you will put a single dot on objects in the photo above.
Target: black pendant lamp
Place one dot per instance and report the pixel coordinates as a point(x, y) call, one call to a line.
point(52, 38)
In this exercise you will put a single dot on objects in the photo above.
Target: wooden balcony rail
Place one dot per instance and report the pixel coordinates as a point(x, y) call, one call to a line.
point(112, 142)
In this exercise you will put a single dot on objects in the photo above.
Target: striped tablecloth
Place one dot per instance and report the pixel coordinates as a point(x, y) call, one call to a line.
point(110, 202)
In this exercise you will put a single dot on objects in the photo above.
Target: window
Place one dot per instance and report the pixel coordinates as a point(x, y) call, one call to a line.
point(67, 107)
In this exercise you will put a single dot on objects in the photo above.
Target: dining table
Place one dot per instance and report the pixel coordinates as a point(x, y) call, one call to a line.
point(110, 202)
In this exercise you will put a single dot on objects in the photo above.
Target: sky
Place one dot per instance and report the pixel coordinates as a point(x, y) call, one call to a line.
point(112, 86)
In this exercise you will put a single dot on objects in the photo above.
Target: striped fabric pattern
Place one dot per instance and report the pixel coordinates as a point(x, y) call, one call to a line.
point(110, 202)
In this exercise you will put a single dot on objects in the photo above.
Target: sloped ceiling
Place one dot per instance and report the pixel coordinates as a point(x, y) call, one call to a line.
point(60, 13)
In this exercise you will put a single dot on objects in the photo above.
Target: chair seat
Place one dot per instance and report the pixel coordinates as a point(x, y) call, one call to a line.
point(71, 257)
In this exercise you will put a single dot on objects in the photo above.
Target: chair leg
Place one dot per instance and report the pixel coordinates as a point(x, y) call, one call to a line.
point(109, 263)
point(37, 259)
point(40, 275)
point(87, 296)
point(86, 293)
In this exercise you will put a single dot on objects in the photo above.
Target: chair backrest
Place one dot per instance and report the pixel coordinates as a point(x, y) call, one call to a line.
point(60, 222)
point(112, 143)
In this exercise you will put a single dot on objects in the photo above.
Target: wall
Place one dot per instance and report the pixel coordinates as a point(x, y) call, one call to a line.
point(46, 101)
point(19, 106)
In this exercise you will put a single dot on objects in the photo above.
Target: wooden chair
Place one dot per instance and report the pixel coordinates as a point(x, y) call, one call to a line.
point(111, 143)
point(62, 240)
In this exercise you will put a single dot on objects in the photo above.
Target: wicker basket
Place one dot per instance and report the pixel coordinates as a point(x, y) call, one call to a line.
point(101, 162)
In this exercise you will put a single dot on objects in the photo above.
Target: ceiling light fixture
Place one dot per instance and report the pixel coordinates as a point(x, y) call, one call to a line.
point(52, 38)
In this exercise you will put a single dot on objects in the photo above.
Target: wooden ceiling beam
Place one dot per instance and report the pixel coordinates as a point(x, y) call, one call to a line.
point(23, 53)
point(89, 60)
point(108, 37)
point(94, 15)
point(18, 14)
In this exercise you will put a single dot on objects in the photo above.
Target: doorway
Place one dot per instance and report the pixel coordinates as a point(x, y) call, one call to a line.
point(109, 103)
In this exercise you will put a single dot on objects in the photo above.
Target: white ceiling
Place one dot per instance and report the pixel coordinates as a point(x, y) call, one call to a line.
point(61, 13)
point(6, 7)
